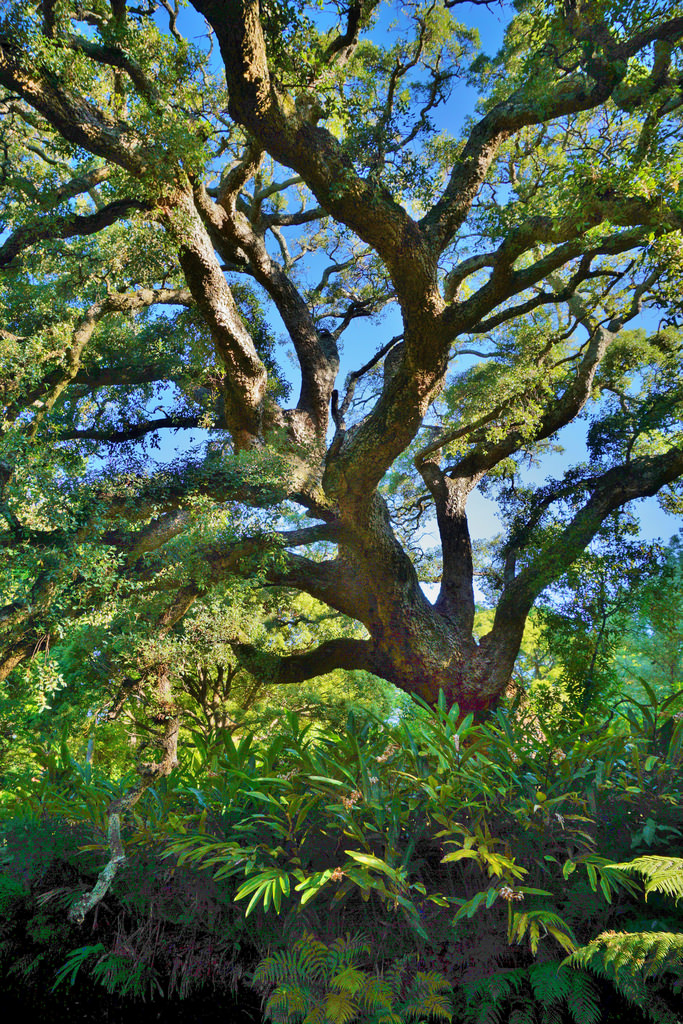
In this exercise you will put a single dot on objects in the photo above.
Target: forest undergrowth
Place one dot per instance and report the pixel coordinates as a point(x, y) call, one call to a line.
point(429, 870)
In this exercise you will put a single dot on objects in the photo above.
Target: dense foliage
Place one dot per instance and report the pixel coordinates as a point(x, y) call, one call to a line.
point(424, 870)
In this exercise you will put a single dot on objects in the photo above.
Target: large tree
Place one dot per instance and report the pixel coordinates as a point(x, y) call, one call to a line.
point(171, 203)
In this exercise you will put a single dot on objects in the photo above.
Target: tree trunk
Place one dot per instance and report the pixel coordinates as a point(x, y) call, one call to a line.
point(422, 647)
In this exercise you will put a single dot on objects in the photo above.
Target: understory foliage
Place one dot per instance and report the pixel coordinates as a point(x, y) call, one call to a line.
point(326, 983)
point(431, 869)
point(628, 959)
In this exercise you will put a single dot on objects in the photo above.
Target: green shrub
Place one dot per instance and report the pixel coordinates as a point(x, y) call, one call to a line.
point(479, 851)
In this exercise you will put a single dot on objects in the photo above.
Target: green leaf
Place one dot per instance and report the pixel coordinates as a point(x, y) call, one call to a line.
point(460, 855)
point(369, 860)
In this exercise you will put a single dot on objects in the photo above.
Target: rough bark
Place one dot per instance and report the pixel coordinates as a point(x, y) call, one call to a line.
point(150, 772)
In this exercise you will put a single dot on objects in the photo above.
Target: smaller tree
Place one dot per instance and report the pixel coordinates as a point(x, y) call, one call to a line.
point(652, 641)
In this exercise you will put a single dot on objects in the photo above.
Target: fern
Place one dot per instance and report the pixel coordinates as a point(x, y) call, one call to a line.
point(629, 960)
point(548, 984)
point(540, 993)
point(552, 1015)
point(119, 974)
point(648, 953)
point(75, 960)
point(489, 999)
point(317, 984)
point(125, 976)
point(349, 979)
point(426, 998)
point(314, 959)
point(661, 874)
point(583, 999)
point(340, 1008)
point(288, 1002)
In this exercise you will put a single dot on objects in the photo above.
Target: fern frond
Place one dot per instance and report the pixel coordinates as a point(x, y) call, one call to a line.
point(287, 1003)
point(340, 1008)
point(433, 1007)
point(549, 983)
point(496, 988)
point(522, 1015)
point(488, 1014)
point(279, 967)
point(432, 981)
point(486, 998)
point(631, 960)
point(312, 958)
point(583, 999)
point(349, 947)
point(348, 980)
point(647, 953)
point(552, 1015)
point(316, 1015)
point(553, 985)
point(376, 994)
point(662, 874)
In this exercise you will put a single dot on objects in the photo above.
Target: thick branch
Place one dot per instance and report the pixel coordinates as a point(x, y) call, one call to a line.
point(312, 151)
point(317, 355)
point(456, 594)
point(286, 220)
point(639, 478)
point(75, 187)
point(246, 376)
point(236, 177)
point(566, 406)
point(505, 282)
point(66, 227)
point(114, 56)
point(75, 118)
point(341, 47)
point(272, 669)
point(115, 303)
point(131, 433)
point(332, 582)
point(571, 95)
point(14, 654)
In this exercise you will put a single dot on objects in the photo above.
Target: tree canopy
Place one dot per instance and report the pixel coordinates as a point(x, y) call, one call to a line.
point(201, 205)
